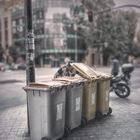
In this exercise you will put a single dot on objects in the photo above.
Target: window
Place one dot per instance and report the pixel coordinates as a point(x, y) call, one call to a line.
point(20, 21)
point(14, 23)
point(6, 35)
point(6, 22)
point(39, 29)
point(34, 17)
point(57, 18)
point(14, 30)
point(41, 14)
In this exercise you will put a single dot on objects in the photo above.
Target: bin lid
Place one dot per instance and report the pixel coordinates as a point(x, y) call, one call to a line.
point(84, 71)
point(45, 85)
point(88, 73)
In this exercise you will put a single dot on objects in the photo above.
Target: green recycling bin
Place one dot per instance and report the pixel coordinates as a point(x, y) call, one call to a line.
point(46, 105)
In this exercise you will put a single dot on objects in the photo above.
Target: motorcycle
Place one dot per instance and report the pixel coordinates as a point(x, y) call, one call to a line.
point(119, 87)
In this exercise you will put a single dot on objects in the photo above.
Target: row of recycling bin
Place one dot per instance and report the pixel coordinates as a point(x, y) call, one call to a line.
point(62, 104)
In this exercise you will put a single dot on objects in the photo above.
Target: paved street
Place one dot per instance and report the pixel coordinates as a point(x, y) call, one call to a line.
point(123, 124)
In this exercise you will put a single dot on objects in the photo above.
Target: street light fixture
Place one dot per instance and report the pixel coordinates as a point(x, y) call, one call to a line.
point(90, 16)
point(76, 41)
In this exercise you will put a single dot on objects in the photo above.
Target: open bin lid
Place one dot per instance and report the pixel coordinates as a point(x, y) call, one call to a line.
point(88, 73)
point(84, 71)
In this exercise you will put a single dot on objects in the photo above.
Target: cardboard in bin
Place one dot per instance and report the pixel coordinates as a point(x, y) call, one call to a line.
point(76, 79)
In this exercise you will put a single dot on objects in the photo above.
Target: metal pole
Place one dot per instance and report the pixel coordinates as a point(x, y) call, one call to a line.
point(30, 49)
point(76, 47)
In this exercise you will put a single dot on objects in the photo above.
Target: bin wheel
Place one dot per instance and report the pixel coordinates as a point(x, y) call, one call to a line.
point(84, 122)
point(67, 131)
point(45, 138)
point(109, 111)
point(99, 115)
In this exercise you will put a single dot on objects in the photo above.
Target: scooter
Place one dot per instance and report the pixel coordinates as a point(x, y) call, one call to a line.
point(120, 88)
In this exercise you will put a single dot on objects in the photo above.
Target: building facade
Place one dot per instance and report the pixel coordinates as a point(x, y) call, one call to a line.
point(6, 28)
point(55, 28)
point(5, 32)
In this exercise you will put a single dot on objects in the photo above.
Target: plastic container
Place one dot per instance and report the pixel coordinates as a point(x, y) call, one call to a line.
point(103, 86)
point(127, 68)
point(90, 91)
point(46, 105)
point(89, 101)
point(74, 96)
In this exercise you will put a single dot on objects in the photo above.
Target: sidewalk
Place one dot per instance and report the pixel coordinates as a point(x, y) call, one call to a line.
point(123, 124)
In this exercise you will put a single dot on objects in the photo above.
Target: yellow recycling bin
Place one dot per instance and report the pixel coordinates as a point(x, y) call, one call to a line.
point(89, 101)
point(89, 92)
point(100, 85)
point(102, 102)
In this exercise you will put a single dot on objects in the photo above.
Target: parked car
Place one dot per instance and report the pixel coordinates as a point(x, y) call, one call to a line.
point(21, 66)
point(1, 66)
point(4, 67)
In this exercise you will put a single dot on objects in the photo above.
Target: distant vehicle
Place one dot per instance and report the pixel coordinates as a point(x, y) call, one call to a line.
point(21, 66)
point(4, 67)
point(1, 66)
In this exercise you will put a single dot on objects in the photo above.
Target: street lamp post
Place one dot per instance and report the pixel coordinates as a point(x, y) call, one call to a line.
point(76, 45)
point(30, 49)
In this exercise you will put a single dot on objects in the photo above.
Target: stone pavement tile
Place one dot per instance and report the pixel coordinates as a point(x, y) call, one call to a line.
point(123, 124)
point(13, 123)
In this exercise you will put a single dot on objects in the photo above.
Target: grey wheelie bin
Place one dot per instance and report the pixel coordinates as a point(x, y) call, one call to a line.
point(103, 86)
point(74, 96)
point(46, 105)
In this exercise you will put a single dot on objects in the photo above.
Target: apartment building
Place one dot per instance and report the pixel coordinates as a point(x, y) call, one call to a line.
point(5, 31)
point(55, 35)
point(6, 27)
